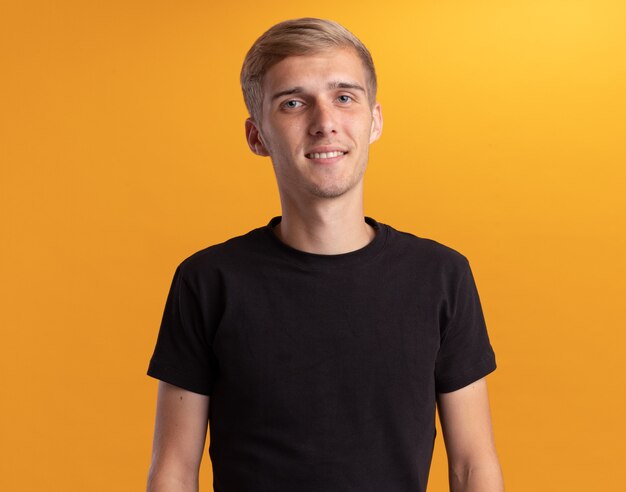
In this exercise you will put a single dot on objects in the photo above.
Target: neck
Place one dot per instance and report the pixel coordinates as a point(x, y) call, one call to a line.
point(325, 226)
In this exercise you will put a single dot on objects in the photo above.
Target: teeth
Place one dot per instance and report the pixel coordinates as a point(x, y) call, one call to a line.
point(325, 155)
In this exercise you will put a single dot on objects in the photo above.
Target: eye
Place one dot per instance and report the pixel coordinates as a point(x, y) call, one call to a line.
point(291, 104)
point(344, 98)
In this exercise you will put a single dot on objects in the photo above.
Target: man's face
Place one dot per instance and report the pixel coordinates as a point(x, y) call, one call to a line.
point(317, 123)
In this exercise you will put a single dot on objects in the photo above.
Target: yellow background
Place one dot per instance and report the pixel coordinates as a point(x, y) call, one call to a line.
point(122, 152)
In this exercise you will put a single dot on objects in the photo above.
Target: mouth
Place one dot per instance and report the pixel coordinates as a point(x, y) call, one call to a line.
point(325, 155)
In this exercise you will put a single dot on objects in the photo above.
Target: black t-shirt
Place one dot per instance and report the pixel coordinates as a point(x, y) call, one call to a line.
point(322, 370)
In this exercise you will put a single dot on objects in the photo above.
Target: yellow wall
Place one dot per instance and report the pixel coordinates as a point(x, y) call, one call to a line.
point(122, 152)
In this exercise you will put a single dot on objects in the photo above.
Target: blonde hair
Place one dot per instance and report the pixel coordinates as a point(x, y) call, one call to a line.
point(297, 37)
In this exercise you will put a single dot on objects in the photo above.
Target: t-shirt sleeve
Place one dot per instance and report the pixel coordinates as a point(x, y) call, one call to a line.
point(183, 355)
point(465, 353)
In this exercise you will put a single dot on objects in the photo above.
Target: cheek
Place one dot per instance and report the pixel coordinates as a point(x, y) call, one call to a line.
point(361, 125)
point(282, 145)
point(292, 138)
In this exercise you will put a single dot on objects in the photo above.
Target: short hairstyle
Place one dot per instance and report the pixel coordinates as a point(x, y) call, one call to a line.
point(297, 37)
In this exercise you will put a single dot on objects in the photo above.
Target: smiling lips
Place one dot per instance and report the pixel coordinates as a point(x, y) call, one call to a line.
point(325, 155)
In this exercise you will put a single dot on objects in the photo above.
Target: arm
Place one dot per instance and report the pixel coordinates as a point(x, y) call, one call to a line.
point(179, 437)
point(473, 464)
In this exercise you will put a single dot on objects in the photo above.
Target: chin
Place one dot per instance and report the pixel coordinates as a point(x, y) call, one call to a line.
point(322, 193)
point(331, 190)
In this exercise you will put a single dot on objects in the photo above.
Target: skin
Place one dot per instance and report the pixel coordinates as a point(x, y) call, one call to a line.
point(473, 464)
point(310, 104)
point(179, 436)
point(317, 103)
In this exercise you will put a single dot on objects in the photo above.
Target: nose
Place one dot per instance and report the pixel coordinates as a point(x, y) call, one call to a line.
point(322, 120)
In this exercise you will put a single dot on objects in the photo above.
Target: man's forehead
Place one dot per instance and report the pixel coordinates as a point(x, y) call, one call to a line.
point(336, 66)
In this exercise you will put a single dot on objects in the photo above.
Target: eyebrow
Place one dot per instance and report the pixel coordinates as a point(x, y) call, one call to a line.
point(331, 86)
point(288, 92)
point(345, 85)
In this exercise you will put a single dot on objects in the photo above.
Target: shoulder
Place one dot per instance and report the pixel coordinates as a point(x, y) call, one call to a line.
point(427, 251)
point(226, 255)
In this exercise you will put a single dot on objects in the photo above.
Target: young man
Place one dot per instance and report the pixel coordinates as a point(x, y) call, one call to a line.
point(324, 340)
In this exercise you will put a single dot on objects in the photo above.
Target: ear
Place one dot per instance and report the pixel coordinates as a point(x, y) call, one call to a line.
point(377, 123)
point(255, 141)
